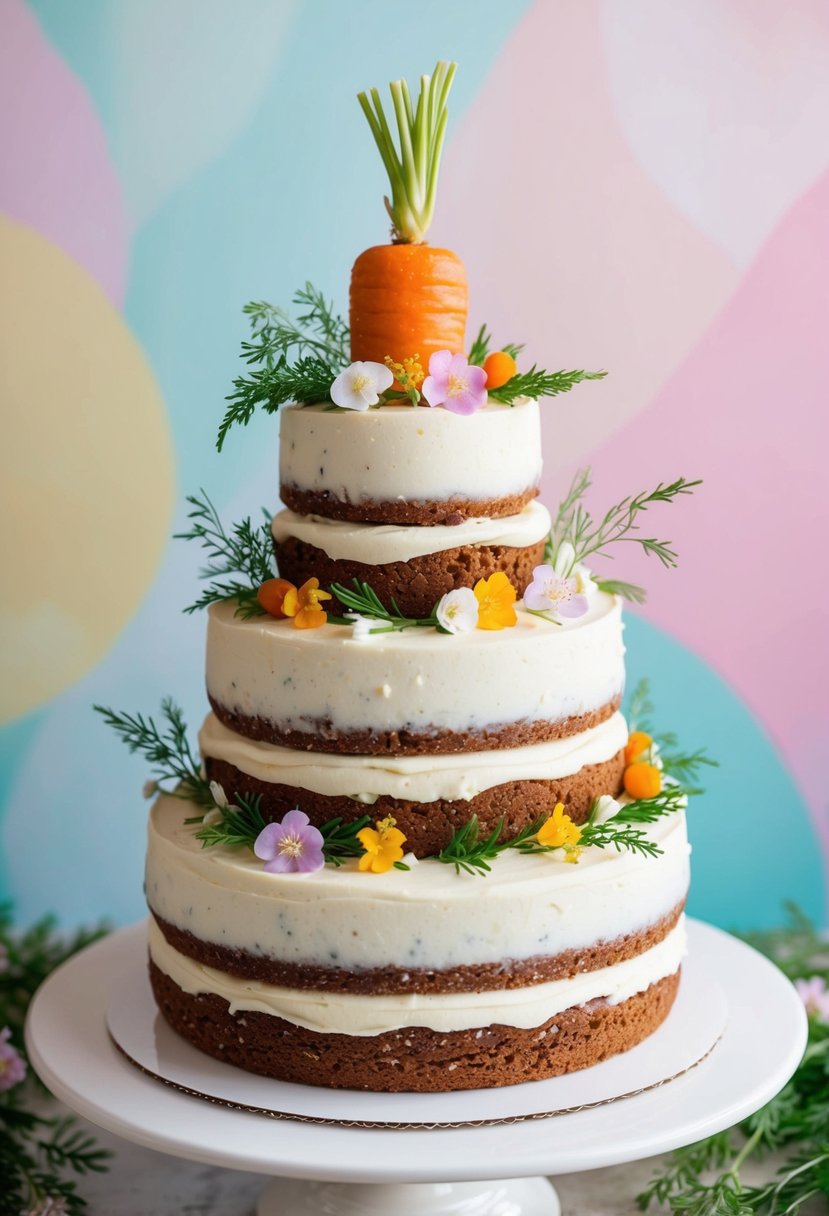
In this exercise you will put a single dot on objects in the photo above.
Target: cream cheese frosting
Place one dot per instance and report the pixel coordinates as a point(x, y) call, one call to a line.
point(413, 454)
point(428, 917)
point(379, 544)
point(343, 1013)
point(421, 778)
point(418, 679)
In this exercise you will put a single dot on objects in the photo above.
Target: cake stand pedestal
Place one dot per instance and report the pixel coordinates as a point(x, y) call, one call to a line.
point(385, 1171)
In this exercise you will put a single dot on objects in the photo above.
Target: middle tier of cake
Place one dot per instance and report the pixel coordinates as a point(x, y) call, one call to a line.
point(416, 691)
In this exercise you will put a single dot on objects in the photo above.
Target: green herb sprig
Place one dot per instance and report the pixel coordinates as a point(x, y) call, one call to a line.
point(238, 825)
point(239, 561)
point(539, 383)
point(575, 526)
point(481, 346)
point(364, 601)
point(175, 769)
point(470, 852)
point(705, 1178)
point(682, 767)
point(295, 360)
point(37, 1153)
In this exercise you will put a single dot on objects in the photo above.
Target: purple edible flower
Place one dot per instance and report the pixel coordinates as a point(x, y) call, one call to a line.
point(12, 1066)
point(549, 592)
point(454, 383)
point(290, 847)
point(815, 996)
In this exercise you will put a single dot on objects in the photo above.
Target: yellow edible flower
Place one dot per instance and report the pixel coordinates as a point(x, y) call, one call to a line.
point(496, 602)
point(304, 606)
point(409, 373)
point(382, 846)
point(559, 832)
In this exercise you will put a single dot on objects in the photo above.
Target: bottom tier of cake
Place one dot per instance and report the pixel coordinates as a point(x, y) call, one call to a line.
point(428, 980)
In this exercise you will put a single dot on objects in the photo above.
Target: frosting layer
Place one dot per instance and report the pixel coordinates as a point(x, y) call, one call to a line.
point(417, 681)
point(329, 1012)
point(422, 778)
point(410, 453)
point(428, 917)
point(380, 544)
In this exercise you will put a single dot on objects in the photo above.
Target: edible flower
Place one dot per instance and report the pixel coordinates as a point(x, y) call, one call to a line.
point(554, 595)
point(454, 383)
point(382, 845)
point(638, 742)
point(360, 385)
point(12, 1065)
point(409, 373)
point(496, 602)
point(292, 846)
point(457, 611)
point(642, 780)
point(271, 596)
point(500, 367)
point(815, 996)
point(304, 605)
point(559, 832)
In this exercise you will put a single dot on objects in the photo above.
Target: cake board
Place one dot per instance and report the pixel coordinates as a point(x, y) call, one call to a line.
point(336, 1169)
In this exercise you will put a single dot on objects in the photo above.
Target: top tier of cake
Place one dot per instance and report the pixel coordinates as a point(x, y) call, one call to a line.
point(405, 465)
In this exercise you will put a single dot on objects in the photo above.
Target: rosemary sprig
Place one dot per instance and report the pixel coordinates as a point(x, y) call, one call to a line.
point(364, 601)
point(175, 769)
point(482, 343)
point(575, 527)
point(307, 380)
point(234, 825)
point(796, 1120)
point(472, 853)
point(539, 383)
point(682, 767)
point(239, 562)
point(479, 349)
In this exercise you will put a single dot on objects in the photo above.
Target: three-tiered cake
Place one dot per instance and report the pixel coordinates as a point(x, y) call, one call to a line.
point(423, 851)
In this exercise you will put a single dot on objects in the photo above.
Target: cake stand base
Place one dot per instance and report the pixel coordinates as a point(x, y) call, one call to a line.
point(383, 1170)
point(507, 1197)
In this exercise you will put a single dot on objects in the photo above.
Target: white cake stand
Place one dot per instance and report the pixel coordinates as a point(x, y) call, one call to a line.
point(385, 1172)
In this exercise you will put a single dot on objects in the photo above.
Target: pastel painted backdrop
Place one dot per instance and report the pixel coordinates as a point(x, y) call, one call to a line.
point(635, 185)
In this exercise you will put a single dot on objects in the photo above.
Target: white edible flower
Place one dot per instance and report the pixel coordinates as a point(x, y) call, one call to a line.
point(457, 611)
point(410, 860)
point(219, 796)
point(606, 808)
point(584, 580)
point(361, 626)
point(360, 385)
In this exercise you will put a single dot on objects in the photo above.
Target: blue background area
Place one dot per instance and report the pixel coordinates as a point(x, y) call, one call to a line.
point(254, 223)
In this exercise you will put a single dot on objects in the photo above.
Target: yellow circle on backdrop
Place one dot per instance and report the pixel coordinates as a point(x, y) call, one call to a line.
point(86, 472)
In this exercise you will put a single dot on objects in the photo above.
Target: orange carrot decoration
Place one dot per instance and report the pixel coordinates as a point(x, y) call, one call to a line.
point(408, 296)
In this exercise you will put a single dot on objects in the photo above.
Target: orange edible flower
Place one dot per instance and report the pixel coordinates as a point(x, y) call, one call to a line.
point(271, 596)
point(637, 743)
point(499, 367)
point(642, 780)
point(382, 845)
point(559, 832)
point(409, 373)
point(496, 602)
point(304, 605)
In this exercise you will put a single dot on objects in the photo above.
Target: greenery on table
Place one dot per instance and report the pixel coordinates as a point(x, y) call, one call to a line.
point(37, 1155)
point(704, 1179)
